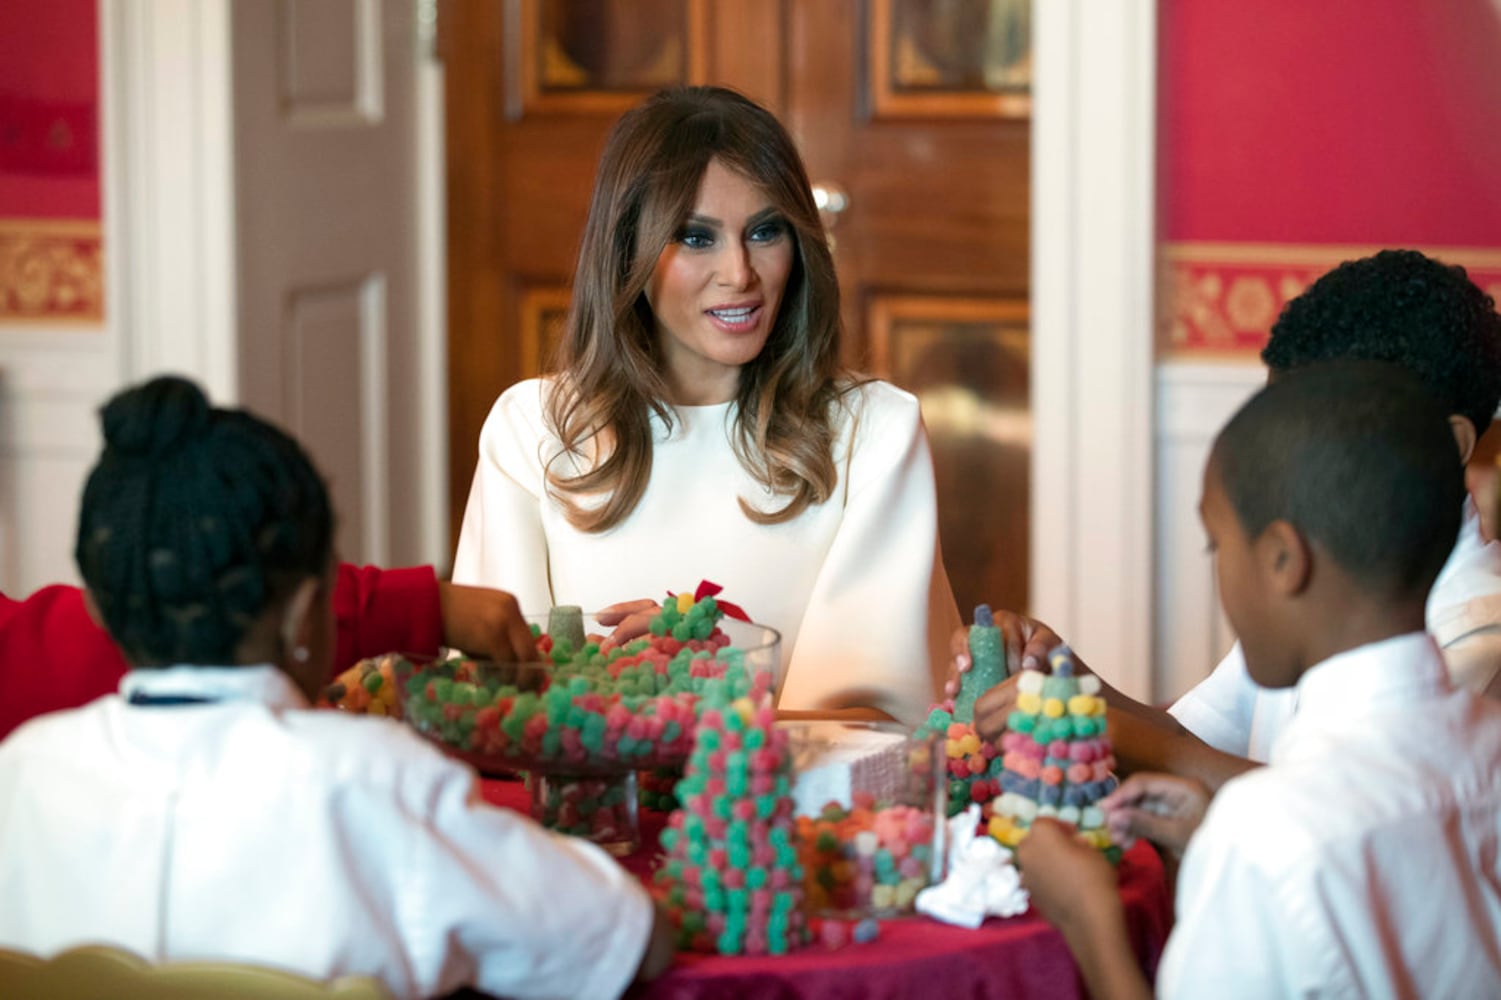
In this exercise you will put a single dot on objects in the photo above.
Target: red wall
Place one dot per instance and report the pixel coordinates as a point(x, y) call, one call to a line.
point(50, 240)
point(1294, 134)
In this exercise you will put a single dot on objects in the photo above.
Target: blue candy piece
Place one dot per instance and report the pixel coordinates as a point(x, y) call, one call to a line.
point(866, 930)
point(984, 617)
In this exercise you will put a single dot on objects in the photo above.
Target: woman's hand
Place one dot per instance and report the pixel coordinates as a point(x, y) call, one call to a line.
point(1162, 808)
point(630, 618)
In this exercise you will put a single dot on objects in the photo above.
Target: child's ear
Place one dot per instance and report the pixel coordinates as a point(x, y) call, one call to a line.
point(92, 607)
point(1464, 436)
point(1285, 558)
point(297, 618)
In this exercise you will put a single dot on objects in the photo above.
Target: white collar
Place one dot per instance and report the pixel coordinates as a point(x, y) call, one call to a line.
point(1406, 667)
point(264, 684)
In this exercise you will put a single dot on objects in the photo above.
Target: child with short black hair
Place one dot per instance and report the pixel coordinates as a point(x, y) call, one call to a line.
point(1363, 860)
point(206, 812)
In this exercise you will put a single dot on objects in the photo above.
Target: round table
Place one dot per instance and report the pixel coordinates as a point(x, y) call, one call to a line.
point(913, 956)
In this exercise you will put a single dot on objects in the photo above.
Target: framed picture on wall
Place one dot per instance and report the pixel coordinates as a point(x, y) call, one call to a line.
point(949, 58)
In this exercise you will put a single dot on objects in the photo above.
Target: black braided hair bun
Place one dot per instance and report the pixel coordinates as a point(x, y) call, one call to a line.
point(154, 419)
point(194, 522)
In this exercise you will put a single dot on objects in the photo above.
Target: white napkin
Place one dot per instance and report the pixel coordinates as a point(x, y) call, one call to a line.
point(981, 881)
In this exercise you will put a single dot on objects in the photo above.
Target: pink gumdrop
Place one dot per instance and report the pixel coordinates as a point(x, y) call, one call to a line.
point(1101, 769)
point(1051, 775)
point(1078, 774)
point(779, 878)
point(734, 878)
point(910, 867)
point(1029, 768)
point(743, 809)
point(763, 784)
point(1012, 740)
point(833, 933)
point(1058, 748)
point(990, 750)
point(1080, 751)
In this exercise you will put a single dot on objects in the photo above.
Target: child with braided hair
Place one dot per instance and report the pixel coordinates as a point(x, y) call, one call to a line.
point(208, 796)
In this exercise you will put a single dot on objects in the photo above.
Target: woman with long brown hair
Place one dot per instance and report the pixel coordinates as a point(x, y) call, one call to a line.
point(700, 425)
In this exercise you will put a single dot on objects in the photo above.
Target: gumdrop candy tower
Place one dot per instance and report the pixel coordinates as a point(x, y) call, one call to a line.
point(973, 763)
point(732, 882)
point(1056, 760)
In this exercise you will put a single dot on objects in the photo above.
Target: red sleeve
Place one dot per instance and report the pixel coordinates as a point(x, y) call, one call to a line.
point(52, 656)
point(385, 611)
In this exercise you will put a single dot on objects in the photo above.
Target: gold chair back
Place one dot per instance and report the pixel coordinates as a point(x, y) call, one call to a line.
point(97, 972)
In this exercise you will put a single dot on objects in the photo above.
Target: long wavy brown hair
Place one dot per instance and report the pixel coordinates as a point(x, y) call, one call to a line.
point(610, 379)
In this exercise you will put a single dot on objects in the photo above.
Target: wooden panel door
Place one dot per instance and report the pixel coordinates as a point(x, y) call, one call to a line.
point(911, 115)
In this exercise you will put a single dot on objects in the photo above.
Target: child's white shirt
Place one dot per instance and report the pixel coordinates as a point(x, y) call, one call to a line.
point(1365, 859)
point(254, 829)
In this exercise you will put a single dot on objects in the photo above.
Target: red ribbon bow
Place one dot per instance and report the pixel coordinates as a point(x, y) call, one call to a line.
point(707, 589)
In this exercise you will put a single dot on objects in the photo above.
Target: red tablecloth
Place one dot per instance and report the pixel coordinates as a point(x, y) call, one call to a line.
point(914, 956)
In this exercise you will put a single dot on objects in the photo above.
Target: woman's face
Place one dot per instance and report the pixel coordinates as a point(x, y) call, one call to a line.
point(717, 286)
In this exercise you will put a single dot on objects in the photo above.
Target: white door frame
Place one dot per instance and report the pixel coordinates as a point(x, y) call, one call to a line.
point(1093, 276)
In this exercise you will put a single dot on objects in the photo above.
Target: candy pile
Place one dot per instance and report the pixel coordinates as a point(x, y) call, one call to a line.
point(731, 881)
point(1057, 760)
point(869, 859)
point(631, 708)
point(973, 763)
point(370, 686)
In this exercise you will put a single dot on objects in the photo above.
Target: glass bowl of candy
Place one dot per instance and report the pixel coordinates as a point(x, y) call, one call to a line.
point(584, 720)
point(869, 800)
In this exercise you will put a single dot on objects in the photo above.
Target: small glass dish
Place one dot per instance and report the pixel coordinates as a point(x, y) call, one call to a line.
point(869, 798)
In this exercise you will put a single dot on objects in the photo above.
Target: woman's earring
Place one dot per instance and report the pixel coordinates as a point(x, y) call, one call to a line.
point(300, 654)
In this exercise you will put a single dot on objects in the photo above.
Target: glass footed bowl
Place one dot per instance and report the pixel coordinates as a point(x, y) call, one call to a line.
point(580, 724)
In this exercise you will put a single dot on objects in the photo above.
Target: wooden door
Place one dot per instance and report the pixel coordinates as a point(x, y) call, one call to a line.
point(911, 115)
point(325, 122)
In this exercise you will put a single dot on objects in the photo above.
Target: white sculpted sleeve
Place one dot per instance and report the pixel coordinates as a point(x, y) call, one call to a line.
point(880, 612)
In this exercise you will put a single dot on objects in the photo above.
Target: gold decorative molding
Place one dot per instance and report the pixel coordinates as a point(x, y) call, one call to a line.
point(51, 270)
point(1224, 297)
